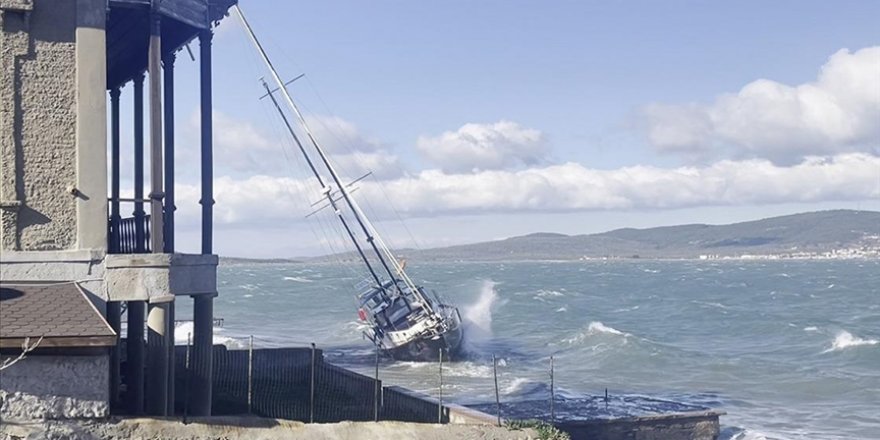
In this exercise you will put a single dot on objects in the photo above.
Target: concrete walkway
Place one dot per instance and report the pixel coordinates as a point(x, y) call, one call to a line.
point(250, 428)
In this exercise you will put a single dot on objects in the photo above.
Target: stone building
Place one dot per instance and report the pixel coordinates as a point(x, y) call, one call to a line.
point(76, 258)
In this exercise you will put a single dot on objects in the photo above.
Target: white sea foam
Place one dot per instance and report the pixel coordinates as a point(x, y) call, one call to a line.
point(749, 435)
point(562, 309)
point(184, 330)
point(811, 328)
point(548, 293)
point(299, 279)
point(516, 385)
point(845, 339)
point(455, 369)
point(595, 328)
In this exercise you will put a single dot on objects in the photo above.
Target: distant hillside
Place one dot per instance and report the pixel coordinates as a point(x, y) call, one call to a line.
point(238, 260)
point(808, 232)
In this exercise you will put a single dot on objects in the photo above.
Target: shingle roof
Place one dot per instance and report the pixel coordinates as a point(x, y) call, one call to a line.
point(59, 312)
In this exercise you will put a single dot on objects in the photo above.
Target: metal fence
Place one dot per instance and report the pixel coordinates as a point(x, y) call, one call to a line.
point(297, 384)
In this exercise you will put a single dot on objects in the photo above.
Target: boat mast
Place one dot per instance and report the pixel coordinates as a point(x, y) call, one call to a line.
point(321, 182)
point(366, 226)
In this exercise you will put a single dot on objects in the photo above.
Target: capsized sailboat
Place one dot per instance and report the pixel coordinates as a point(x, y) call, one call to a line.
point(404, 320)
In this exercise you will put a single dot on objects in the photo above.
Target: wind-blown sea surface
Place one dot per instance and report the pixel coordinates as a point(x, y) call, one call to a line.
point(789, 349)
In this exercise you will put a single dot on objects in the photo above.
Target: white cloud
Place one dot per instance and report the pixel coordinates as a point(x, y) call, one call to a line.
point(473, 147)
point(564, 187)
point(352, 153)
point(241, 148)
point(839, 112)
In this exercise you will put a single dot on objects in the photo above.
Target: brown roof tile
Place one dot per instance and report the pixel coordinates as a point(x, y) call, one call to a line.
point(49, 310)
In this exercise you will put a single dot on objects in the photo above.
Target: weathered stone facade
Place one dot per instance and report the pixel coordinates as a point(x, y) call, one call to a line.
point(38, 125)
point(55, 387)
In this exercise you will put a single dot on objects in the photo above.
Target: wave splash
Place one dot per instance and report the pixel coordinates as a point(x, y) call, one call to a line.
point(477, 317)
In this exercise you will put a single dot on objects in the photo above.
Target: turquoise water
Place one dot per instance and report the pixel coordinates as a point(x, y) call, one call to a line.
point(789, 349)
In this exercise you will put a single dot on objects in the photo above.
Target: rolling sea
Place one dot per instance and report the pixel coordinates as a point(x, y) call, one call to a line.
point(788, 349)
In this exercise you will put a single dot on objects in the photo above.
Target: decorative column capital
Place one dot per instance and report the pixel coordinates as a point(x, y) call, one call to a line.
point(168, 59)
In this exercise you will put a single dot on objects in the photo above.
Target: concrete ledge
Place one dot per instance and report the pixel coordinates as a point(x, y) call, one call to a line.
point(155, 277)
point(84, 266)
point(52, 256)
point(697, 425)
point(453, 413)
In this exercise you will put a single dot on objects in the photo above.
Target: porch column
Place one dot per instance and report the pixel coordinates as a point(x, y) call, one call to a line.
point(115, 217)
point(168, 77)
point(135, 357)
point(158, 333)
point(203, 311)
point(202, 359)
point(207, 200)
point(114, 318)
point(139, 230)
point(171, 341)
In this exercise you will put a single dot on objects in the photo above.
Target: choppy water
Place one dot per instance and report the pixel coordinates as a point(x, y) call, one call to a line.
point(790, 349)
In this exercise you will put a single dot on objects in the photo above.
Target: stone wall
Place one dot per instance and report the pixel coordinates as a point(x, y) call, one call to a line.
point(38, 125)
point(55, 387)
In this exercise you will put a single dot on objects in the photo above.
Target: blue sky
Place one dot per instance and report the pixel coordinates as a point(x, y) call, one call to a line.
point(556, 100)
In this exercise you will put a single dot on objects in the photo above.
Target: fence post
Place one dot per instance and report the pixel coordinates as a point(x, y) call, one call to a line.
point(376, 396)
point(186, 392)
point(552, 393)
point(497, 397)
point(312, 388)
point(250, 392)
point(440, 391)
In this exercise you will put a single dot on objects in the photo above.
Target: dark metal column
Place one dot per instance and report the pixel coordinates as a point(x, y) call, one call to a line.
point(135, 357)
point(114, 172)
point(157, 358)
point(114, 318)
point(168, 76)
point(203, 310)
point(171, 368)
point(139, 231)
point(207, 200)
point(202, 359)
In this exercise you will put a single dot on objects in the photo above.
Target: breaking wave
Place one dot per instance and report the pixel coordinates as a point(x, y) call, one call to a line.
point(845, 339)
point(299, 279)
point(593, 329)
